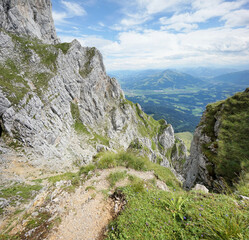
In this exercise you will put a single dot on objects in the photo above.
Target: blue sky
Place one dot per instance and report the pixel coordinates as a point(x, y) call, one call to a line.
point(147, 34)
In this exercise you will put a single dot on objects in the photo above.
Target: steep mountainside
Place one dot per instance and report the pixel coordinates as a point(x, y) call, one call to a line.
point(28, 17)
point(58, 106)
point(219, 151)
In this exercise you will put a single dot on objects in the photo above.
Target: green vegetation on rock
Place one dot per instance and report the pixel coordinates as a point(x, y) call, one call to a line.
point(115, 177)
point(155, 214)
point(19, 193)
point(229, 150)
point(78, 125)
point(90, 52)
point(40, 81)
point(47, 53)
point(63, 46)
point(131, 159)
point(12, 83)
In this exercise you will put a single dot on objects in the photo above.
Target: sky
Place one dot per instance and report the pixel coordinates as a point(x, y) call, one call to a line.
point(158, 34)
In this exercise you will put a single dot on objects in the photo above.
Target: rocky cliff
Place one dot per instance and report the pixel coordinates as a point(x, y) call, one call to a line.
point(28, 17)
point(219, 152)
point(58, 107)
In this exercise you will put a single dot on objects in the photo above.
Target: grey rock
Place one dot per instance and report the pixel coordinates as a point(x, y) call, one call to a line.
point(197, 167)
point(167, 139)
point(162, 186)
point(202, 188)
point(3, 203)
point(28, 17)
point(43, 121)
point(4, 103)
point(34, 214)
point(244, 197)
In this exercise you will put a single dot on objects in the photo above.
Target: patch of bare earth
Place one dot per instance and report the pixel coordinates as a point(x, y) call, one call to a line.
point(89, 212)
point(85, 213)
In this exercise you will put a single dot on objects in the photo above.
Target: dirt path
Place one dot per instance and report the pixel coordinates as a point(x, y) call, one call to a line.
point(89, 212)
point(83, 214)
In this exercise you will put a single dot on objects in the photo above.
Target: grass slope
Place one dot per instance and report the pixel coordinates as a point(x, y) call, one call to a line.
point(229, 151)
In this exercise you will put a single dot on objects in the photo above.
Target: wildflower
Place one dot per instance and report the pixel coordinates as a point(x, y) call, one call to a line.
point(147, 224)
point(200, 214)
point(184, 218)
point(112, 228)
point(174, 190)
point(172, 199)
point(201, 205)
point(158, 198)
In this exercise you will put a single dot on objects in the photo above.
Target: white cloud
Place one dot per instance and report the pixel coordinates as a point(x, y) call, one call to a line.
point(161, 49)
point(138, 12)
point(202, 11)
point(140, 48)
point(72, 10)
point(157, 6)
point(178, 26)
point(237, 18)
point(59, 17)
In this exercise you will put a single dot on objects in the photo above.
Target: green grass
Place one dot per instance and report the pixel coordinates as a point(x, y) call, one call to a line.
point(47, 53)
point(153, 214)
point(242, 186)
point(126, 159)
point(63, 46)
point(19, 192)
point(101, 139)
point(12, 83)
point(68, 176)
point(86, 169)
point(115, 177)
point(232, 153)
point(65, 177)
point(40, 81)
point(130, 159)
point(79, 127)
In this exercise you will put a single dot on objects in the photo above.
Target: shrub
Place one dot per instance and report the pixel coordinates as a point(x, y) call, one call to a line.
point(114, 177)
point(86, 169)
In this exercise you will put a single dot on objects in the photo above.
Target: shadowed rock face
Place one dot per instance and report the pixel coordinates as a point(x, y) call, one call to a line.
point(28, 17)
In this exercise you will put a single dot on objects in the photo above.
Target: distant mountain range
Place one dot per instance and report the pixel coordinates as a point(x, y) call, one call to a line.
point(207, 73)
point(179, 97)
point(159, 80)
point(241, 78)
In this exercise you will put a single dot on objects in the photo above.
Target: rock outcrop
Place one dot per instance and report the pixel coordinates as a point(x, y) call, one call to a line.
point(28, 17)
point(59, 107)
point(219, 152)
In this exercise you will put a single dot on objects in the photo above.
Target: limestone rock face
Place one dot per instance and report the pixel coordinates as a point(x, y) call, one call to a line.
point(167, 138)
point(58, 107)
point(28, 17)
point(198, 168)
point(195, 167)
